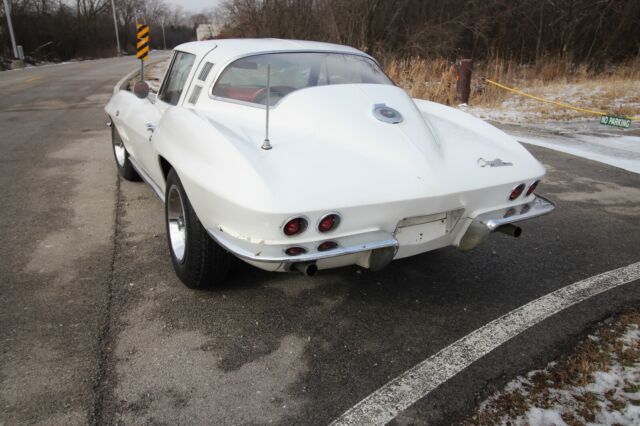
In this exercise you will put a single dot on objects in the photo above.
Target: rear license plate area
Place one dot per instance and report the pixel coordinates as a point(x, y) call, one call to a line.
point(421, 229)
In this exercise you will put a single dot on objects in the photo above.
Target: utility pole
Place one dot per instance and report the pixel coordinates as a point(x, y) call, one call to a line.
point(164, 40)
point(115, 24)
point(7, 11)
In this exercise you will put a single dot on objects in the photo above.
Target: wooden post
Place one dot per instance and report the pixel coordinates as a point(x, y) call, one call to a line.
point(463, 83)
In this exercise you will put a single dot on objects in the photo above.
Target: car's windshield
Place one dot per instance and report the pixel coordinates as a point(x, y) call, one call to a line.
point(246, 79)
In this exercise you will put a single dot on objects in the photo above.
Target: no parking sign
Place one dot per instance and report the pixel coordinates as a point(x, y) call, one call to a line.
point(612, 120)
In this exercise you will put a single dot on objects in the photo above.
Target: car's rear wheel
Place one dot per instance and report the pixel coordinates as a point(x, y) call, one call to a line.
point(198, 260)
point(125, 168)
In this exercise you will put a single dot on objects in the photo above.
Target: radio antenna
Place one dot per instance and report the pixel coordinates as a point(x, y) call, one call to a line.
point(266, 144)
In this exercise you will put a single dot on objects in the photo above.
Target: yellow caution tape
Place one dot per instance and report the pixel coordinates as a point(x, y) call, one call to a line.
point(562, 104)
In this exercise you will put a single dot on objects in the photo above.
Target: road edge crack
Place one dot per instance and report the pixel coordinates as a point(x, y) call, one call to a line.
point(104, 379)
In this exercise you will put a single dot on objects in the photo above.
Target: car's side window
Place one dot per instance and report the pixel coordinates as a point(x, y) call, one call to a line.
point(176, 78)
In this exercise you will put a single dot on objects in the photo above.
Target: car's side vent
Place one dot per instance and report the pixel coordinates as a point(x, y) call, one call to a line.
point(195, 94)
point(205, 71)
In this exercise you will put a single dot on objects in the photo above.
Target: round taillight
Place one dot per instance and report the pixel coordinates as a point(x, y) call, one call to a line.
point(328, 222)
point(294, 226)
point(516, 192)
point(532, 188)
point(327, 245)
point(295, 251)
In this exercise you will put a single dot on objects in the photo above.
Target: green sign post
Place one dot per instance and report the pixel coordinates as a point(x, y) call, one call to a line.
point(612, 120)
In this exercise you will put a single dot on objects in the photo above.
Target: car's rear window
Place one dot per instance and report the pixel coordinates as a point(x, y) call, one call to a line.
point(246, 79)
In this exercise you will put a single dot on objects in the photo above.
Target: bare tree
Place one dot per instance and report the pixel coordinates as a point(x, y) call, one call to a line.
point(527, 30)
point(62, 29)
point(594, 31)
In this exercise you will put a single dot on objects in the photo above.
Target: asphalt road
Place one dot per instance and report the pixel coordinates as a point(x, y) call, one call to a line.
point(96, 328)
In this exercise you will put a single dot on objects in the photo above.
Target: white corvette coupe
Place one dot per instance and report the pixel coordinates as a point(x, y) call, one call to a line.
point(301, 156)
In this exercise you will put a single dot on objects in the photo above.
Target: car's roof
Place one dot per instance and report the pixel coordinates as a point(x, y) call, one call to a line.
point(227, 49)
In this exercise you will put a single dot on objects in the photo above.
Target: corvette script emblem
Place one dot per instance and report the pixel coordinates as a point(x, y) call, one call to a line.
point(492, 163)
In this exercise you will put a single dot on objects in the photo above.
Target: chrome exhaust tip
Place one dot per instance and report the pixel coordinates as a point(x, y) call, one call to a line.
point(509, 229)
point(380, 258)
point(307, 268)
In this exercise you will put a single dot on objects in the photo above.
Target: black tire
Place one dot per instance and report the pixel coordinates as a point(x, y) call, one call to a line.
point(203, 262)
point(125, 168)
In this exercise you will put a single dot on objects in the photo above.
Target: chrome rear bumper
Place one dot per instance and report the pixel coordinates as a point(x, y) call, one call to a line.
point(374, 249)
point(275, 253)
point(485, 223)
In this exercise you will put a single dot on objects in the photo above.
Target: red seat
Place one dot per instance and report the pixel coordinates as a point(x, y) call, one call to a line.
point(246, 94)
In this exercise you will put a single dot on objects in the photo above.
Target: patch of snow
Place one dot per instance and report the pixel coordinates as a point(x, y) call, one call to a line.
point(631, 336)
point(40, 65)
point(606, 386)
point(604, 381)
point(609, 96)
point(539, 417)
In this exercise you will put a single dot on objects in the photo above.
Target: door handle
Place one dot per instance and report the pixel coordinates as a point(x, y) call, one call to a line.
point(151, 127)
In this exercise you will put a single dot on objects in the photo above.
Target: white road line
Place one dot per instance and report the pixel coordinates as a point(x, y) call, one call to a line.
point(384, 404)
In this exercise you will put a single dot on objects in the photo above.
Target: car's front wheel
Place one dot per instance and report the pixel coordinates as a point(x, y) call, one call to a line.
point(125, 168)
point(198, 260)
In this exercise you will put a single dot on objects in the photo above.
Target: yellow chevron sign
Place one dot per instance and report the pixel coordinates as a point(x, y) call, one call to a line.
point(143, 42)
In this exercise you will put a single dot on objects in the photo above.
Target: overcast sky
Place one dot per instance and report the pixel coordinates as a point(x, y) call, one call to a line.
point(195, 5)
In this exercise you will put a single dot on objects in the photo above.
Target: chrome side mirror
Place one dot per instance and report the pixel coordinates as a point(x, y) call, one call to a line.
point(141, 89)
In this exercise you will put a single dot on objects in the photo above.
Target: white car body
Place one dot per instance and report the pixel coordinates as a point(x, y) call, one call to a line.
point(440, 177)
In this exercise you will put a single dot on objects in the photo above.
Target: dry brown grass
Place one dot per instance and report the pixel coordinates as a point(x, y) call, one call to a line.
point(432, 79)
point(614, 89)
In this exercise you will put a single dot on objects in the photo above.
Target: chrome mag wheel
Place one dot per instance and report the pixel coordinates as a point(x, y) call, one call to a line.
point(120, 151)
point(177, 224)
